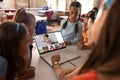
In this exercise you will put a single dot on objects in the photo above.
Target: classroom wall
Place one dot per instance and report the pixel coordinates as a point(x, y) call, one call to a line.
point(8, 4)
point(38, 3)
point(33, 3)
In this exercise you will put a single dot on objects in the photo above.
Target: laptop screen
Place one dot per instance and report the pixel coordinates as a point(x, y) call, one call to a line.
point(49, 42)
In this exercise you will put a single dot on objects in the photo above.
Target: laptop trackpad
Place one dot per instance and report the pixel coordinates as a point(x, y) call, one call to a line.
point(68, 57)
point(72, 56)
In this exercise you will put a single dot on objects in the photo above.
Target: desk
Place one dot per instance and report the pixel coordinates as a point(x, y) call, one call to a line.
point(63, 17)
point(33, 9)
point(39, 18)
point(43, 11)
point(45, 72)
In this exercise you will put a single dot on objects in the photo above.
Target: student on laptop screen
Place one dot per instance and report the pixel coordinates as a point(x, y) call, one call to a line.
point(71, 28)
point(47, 39)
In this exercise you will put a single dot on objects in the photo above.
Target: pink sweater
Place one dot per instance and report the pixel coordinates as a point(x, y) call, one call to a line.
point(86, 76)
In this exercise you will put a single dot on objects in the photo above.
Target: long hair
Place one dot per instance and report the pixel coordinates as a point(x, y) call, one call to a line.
point(11, 34)
point(92, 14)
point(78, 5)
point(106, 54)
point(24, 17)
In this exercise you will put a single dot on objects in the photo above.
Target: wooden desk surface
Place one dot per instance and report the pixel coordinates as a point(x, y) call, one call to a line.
point(43, 70)
point(46, 72)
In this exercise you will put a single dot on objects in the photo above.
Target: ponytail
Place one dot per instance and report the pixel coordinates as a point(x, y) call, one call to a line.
point(76, 25)
point(21, 16)
point(65, 24)
point(24, 17)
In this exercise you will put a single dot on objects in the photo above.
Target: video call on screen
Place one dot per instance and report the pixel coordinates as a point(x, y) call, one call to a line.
point(49, 42)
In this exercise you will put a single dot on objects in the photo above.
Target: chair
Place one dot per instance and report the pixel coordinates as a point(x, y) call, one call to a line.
point(41, 28)
point(49, 18)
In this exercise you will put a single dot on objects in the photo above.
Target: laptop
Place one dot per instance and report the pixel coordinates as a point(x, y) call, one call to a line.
point(52, 43)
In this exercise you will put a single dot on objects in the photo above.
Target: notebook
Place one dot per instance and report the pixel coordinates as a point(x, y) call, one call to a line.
point(52, 43)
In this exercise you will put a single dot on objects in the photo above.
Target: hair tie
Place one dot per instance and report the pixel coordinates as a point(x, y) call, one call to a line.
point(22, 10)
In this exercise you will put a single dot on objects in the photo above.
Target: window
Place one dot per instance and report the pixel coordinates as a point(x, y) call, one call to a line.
point(87, 5)
point(62, 5)
point(57, 4)
point(52, 4)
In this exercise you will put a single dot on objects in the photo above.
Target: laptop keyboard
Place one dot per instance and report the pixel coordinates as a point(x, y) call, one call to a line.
point(65, 56)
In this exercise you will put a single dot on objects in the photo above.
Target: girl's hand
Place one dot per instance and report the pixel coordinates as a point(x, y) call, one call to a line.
point(68, 43)
point(80, 45)
point(55, 58)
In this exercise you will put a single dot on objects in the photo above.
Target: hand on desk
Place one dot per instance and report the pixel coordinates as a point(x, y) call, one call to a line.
point(68, 43)
point(55, 59)
point(80, 45)
point(61, 73)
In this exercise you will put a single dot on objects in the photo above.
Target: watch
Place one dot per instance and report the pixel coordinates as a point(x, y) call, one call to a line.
point(56, 63)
